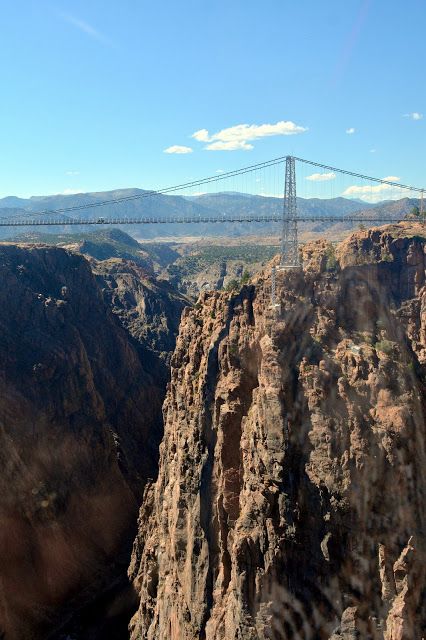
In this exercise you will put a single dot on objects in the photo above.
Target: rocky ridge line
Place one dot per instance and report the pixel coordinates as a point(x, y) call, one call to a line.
point(290, 496)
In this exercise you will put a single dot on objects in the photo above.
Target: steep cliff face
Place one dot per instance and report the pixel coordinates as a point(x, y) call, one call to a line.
point(149, 309)
point(291, 491)
point(80, 424)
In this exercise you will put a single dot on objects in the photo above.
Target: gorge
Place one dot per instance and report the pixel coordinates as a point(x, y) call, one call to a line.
point(286, 499)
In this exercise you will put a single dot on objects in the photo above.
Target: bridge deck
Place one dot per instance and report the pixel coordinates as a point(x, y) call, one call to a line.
point(65, 221)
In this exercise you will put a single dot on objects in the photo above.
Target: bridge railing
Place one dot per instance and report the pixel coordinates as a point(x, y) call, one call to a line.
point(61, 222)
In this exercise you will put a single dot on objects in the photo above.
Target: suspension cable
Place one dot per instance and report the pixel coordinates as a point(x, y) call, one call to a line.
point(208, 180)
point(360, 175)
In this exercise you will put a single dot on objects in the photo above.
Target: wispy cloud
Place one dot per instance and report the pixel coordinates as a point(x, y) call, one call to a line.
point(321, 177)
point(374, 193)
point(86, 28)
point(239, 136)
point(202, 135)
point(176, 148)
point(350, 131)
point(230, 145)
point(415, 115)
point(72, 173)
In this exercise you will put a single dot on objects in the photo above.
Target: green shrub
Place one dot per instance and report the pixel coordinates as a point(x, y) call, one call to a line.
point(386, 256)
point(233, 349)
point(232, 285)
point(386, 346)
point(331, 260)
point(245, 277)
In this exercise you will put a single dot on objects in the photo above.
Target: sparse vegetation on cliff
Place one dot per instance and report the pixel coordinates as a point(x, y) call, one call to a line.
point(331, 263)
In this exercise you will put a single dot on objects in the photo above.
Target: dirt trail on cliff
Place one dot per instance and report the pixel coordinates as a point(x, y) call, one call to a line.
point(290, 501)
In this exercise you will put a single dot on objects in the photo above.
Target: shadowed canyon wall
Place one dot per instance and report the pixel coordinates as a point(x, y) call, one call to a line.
point(291, 489)
point(80, 426)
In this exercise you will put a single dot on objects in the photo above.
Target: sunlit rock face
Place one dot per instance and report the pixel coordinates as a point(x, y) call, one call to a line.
point(290, 501)
point(80, 425)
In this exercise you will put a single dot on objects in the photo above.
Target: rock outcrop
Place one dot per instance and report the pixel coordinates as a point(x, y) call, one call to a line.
point(149, 309)
point(80, 425)
point(292, 482)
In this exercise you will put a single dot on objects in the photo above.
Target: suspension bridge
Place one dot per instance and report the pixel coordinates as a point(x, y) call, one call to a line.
point(290, 217)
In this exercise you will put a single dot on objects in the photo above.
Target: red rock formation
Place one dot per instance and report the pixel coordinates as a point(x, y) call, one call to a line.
point(290, 501)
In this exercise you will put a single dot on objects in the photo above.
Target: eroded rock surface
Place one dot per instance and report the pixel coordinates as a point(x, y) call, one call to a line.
point(290, 501)
point(80, 425)
point(148, 308)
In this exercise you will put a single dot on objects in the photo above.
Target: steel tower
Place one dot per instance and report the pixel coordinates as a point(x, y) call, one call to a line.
point(289, 243)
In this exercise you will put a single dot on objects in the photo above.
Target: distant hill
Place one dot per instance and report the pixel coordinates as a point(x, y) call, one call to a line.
point(234, 203)
point(105, 243)
point(163, 206)
point(393, 208)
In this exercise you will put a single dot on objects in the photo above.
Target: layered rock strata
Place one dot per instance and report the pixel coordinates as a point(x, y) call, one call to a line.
point(290, 501)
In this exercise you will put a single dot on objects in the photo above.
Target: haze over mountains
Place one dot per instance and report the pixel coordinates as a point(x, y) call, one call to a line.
point(219, 204)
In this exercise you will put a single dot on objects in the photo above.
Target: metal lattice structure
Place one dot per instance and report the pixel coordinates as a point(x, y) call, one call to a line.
point(80, 214)
point(289, 241)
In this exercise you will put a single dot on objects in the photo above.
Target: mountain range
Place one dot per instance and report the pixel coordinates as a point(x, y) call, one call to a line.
point(220, 204)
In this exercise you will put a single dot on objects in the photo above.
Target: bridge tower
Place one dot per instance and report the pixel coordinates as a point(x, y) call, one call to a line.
point(289, 242)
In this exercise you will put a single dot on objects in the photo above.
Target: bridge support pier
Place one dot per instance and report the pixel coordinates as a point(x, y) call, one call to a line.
point(289, 242)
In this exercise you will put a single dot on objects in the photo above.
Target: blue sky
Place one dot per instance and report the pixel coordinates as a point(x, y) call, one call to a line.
point(94, 92)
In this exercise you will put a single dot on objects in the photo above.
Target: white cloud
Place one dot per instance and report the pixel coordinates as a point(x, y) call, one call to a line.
point(220, 171)
point(374, 193)
point(231, 145)
point(238, 137)
point(321, 177)
point(372, 150)
point(85, 27)
point(415, 115)
point(178, 149)
point(72, 173)
point(202, 135)
point(350, 131)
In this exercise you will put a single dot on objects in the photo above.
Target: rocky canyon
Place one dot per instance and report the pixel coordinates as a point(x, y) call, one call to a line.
point(290, 501)
point(264, 457)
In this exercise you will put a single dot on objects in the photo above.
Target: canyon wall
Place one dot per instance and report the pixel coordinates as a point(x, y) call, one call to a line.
point(80, 426)
point(291, 489)
point(149, 310)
